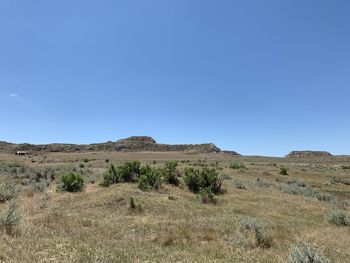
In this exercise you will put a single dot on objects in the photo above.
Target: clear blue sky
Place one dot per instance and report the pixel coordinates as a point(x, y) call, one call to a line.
point(258, 77)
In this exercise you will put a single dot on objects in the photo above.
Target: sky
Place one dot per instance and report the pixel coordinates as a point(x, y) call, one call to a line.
point(257, 77)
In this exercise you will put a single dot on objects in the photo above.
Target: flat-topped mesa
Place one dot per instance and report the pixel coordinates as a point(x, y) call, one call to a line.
point(299, 154)
point(145, 143)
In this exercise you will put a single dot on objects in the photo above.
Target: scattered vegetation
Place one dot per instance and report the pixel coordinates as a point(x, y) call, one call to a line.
point(304, 253)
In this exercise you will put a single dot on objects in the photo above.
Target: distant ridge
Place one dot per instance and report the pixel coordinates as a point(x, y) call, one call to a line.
point(130, 144)
point(299, 154)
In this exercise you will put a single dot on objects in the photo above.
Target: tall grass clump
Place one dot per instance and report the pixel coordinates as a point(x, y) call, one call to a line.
point(304, 253)
point(72, 182)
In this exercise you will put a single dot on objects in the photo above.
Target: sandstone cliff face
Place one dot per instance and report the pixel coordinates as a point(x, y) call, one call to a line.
point(299, 154)
point(131, 144)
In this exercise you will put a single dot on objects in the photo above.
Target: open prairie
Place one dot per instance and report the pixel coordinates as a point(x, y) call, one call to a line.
point(122, 223)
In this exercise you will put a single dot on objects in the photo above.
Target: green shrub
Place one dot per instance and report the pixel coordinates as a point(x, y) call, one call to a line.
point(209, 178)
point(170, 173)
point(192, 179)
point(205, 178)
point(207, 196)
point(338, 217)
point(110, 177)
point(237, 166)
point(150, 178)
point(129, 171)
point(10, 218)
point(240, 184)
point(283, 171)
point(304, 253)
point(262, 238)
point(72, 182)
point(7, 192)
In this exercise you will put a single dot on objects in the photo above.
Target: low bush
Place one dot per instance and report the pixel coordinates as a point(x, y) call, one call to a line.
point(304, 253)
point(129, 171)
point(283, 171)
point(338, 217)
point(71, 182)
point(150, 178)
point(262, 238)
point(192, 179)
point(110, 177)
point(170, 173)
point(237, 166)
point(206, 178)
point(240, 184)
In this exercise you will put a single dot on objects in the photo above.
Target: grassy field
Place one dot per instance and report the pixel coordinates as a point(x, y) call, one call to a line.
point(172, 224)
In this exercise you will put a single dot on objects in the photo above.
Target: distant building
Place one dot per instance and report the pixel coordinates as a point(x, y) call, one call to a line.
point(21, 153)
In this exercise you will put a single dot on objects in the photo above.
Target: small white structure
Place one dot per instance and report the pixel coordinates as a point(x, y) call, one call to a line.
point(21, 153)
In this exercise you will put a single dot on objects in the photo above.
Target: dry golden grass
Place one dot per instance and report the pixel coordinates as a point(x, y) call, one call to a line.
point(97, 225)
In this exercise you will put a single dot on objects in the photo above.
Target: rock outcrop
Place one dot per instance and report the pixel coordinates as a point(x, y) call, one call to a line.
point(299, 154)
